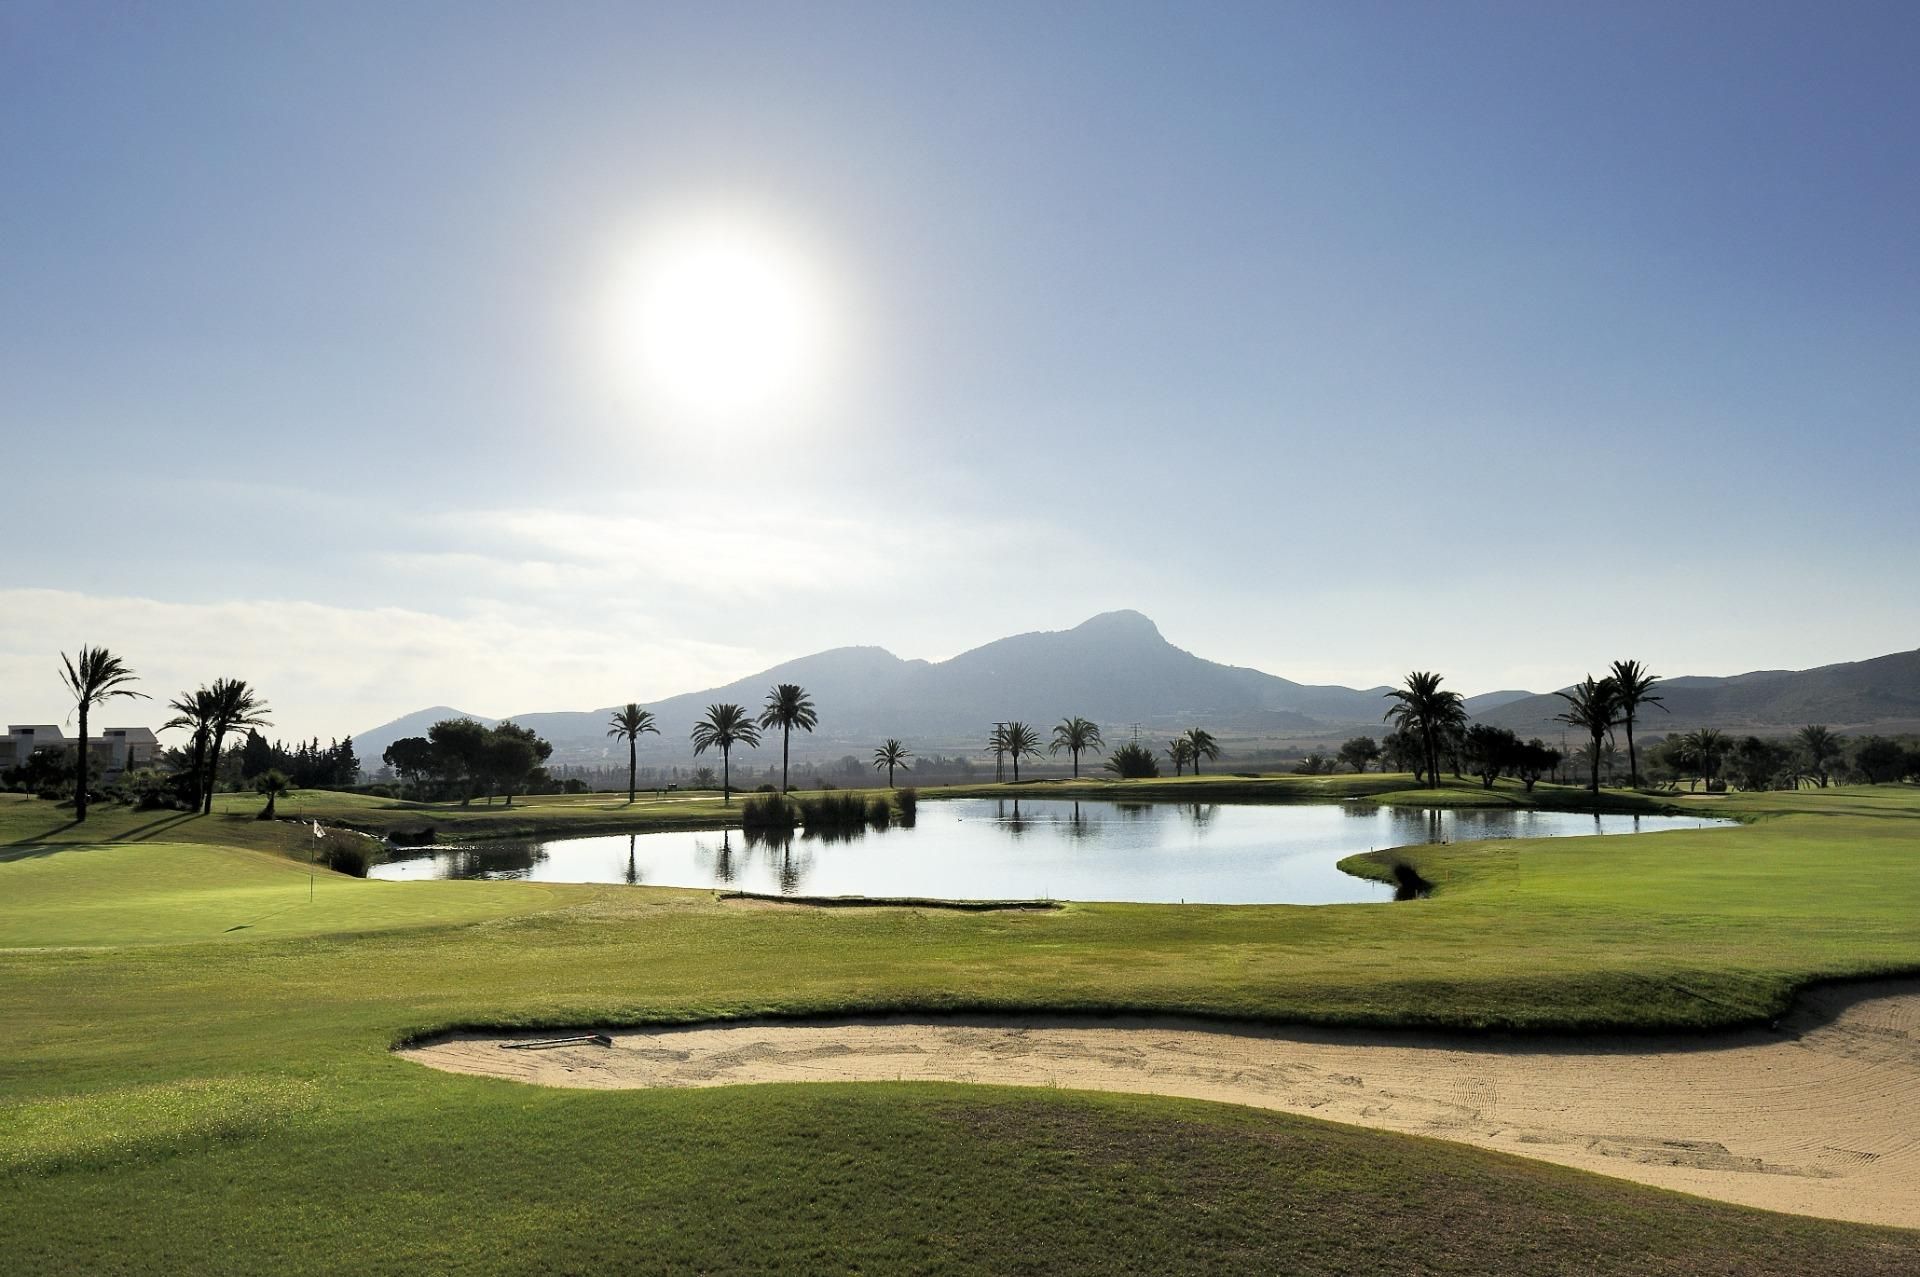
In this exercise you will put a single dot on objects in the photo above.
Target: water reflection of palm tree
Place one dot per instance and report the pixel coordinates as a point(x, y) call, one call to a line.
point(1203, 814)
point(1078, 826)
point(724, 870)
point(633, 870)
point(1016, 823)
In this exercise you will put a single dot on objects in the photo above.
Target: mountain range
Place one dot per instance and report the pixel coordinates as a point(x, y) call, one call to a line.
point(1118, 670)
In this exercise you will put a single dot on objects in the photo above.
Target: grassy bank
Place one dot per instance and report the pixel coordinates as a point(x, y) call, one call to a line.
point(197, 1075)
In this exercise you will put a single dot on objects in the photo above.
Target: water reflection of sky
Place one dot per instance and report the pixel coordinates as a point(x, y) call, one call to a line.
point(983, 848)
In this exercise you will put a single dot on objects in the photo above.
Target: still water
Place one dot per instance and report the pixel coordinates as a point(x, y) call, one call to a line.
point(1006, 849)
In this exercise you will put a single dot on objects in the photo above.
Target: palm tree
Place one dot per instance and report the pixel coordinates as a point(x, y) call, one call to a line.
point(1076, 735)
point(1710, 743)
point(194, 710)
point(273, 783)
point(788, 706)
point(629, 723)
point(1594, 708)
point(1200, 744)
point(1019, 741)
point(725, 725)
point(890, 755)
point(235, 705)
point(1429, 713)
point(96, 678)
point(1823, 750)
point(1180, 750)
point(997, 746)
point(1633, 687)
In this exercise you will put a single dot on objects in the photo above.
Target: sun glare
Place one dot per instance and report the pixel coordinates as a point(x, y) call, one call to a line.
point(719, 316)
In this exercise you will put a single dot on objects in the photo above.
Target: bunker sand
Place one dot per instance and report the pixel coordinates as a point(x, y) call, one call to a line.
point(1820, 1116)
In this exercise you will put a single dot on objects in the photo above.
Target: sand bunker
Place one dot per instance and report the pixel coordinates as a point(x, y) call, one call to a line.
point(1819, 1117)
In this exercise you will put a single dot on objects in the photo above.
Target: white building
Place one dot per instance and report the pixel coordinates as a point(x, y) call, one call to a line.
point(112, 751)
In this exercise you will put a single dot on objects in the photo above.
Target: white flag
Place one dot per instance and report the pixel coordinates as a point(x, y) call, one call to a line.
point(317, 831)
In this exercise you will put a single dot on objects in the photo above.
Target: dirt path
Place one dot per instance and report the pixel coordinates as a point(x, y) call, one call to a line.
point(1821, 1117)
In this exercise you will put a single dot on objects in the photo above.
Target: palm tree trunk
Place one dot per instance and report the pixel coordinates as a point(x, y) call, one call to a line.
point(633, 750)
point(786, 735)
point(1593, 757)
point(80, 770)
point(1076, 763)
point(199, 761)
point(1633, 755)
point(213, 772)
point(726, 777)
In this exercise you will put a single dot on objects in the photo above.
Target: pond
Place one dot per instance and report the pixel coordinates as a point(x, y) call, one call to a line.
point(1008, 849)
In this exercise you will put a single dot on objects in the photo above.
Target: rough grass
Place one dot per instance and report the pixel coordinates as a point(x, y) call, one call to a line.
point(177, 1095)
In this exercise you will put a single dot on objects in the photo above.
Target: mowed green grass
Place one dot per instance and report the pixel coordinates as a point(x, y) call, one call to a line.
point(178, 1095)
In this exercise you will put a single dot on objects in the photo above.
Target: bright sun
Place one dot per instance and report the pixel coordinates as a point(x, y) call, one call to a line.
point(719, 316)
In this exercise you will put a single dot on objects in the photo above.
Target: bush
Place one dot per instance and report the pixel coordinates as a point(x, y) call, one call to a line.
point(148, 790)
point(1133, 761)
point(347, 854)
point(769, 812)
point(765, 789)
point(908, 801)
point(833, 813)
point(879, 813)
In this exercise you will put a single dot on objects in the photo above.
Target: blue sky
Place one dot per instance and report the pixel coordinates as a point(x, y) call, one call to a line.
point(1341, 339)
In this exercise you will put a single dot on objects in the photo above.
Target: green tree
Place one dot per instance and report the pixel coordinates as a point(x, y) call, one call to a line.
point(788, 706)
point(1594, 708)
point(256, 756)
point(273, 785)
point(459, 747)
point(890, 755)
point(235, 705)
point(1880, 759)
point(1360, 752)
point(96, 678)
point(725, 726)
point(1179, 753)
point(629, 723)
point(1823, 750)
point(1076, 735)
point(1021, 741)
point(1534, 760)
point(412, 758)
point(1490, 751)
point(1200, 744)
point(1633, 687)
point(1422, 708)
point(511, 757)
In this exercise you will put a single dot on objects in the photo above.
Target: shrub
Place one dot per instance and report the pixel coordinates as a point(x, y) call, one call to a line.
point(1132, 761)
point(770, 811)
point(879, 813)
point(348, 854)
point(833, 813)
point(908, 801)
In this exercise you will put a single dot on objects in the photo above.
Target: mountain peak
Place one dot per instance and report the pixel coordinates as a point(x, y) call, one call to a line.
point(1126, 621)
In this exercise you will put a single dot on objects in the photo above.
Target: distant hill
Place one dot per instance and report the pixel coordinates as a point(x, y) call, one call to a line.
point(1487, 701)
point(1882, 694)
point(1118, 670)
point(1115, 668)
